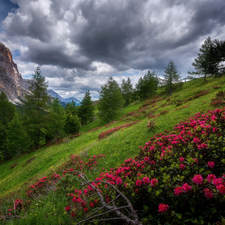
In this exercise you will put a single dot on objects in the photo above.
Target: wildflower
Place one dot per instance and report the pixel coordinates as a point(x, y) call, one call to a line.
point(208, 193)
point(138, 182)
point(119, 181)
point(186, 187)
point(154, 182)
point(67, 208)
point(146, 180)
point(211, 177)
point(197, 179)
point(182, 166)
point(163, 207)
point(181, 159)
point(211, 164)
point(92, 204)
point(178, 190)
point(221, 188)
point(85, 209)
point(217, 181)
point(73, 214)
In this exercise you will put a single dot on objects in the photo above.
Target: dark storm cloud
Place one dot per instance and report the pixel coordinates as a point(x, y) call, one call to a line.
point(92, 38)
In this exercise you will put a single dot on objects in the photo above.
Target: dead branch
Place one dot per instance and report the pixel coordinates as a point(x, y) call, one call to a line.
point(109, 206)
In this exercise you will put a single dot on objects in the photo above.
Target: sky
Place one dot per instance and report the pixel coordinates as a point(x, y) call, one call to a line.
point(78, 44)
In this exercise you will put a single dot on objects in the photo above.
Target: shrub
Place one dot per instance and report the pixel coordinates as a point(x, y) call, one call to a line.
point(177, 178)
point(151, 124)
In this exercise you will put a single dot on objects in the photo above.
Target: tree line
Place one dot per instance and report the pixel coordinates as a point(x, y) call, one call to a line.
point(40, 119)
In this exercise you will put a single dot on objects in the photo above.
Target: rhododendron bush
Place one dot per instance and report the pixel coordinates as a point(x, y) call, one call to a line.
point(178, 177)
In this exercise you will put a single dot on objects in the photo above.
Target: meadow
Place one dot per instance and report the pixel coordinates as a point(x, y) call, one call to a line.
point(48, 206)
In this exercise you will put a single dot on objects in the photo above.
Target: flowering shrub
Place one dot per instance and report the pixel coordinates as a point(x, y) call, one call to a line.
point(178, 178)
point(115, 129)
point(218, 101)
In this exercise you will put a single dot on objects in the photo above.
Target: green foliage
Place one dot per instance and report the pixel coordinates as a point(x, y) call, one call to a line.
point(86, 110)
point(36, 107)
point(58, 117)
point(147, 86)
point(171, 78)
point(17, 140)
point(201, 63)
point(7, 111)
point(110, 100)
point(127, 91)
point(71, 107)
point(72, 124)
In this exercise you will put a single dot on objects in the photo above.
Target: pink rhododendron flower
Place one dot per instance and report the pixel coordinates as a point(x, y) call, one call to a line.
point(221, 188)
point(182, 166)
point(218, 181)
point(154, 181)
point(138, 182)
point(181, 159)
point(146, 180)
point(198, 179)
point(178, 190)
point(92, 204)
point(186, 187)
point(208, 193)
point(211, 177)
point(211, 164)
point(67, 208)
point(163, 207)
point(119, 181)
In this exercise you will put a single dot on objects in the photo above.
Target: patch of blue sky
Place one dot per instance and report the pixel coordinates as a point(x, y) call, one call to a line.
point(16, 53)
point(27, 76)
point(6, 6)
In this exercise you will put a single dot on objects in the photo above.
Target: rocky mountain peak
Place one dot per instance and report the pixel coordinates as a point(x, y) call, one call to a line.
point(11, 81)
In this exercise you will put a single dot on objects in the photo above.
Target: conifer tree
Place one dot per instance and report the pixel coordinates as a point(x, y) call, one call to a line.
point(86, 110)
point(7, 111)
point(17, 141)
point(202, 63)
point(127, 91)
point(36, 107)
point(172, 78)
point(110, 100)
point(58, 117)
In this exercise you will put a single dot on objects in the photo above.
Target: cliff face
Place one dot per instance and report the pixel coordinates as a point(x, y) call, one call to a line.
point(11, 81)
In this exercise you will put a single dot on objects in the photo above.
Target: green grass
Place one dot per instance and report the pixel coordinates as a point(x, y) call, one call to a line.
point(117, 147)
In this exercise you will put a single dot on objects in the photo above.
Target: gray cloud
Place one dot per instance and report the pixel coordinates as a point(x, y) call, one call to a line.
point(74, 39)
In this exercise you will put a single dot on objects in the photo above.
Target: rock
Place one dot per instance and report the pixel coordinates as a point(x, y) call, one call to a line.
point(11, 81)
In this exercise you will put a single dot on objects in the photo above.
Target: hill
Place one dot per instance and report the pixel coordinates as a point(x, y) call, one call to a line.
point(47, 206)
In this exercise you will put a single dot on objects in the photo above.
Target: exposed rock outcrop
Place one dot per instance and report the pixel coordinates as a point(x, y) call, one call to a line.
point(11, 81)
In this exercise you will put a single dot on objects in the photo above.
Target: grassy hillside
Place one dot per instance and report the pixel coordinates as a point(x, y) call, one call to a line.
point(119, 146)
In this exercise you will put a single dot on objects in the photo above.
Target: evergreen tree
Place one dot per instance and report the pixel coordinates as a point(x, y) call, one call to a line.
point(171, 78)
point(36, 108)
point(127, 91)
point(202, 63)
point(71, 107)
point(86, 110)
point(17, 141)
point(147, 86)
point(58, 117)
point(110, 100)
point(7, 111)
point(72, 124)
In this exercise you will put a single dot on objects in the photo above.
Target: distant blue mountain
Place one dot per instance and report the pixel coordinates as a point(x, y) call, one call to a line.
point(63, 100)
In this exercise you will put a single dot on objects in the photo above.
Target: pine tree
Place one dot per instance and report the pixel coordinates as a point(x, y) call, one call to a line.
point(58, 117)
point(147, 86)
point(202, 63)
point(110, 100)
point(86, 110)
point(127, 91)
point(172, 78)
point(7, 111)
point(36, 107)
point(17, 141)
point(72, 124)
